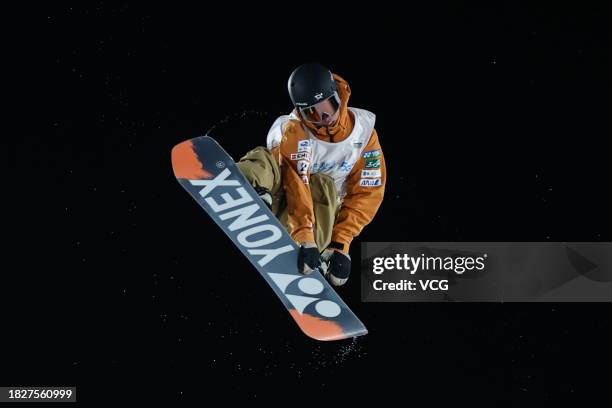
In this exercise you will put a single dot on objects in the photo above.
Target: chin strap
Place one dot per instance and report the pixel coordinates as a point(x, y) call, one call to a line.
point(331, 135)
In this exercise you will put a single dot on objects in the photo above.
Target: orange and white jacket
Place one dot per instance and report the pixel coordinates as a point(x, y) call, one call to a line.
point(349, 152)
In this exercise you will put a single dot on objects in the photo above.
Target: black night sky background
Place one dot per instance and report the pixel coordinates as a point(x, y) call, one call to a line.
point(495, 126)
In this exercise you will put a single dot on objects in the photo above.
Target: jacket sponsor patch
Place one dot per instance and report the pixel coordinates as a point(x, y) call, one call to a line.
point(371, 154)
point(302, 166)
point(304, 146)
point(300, 156)
point(370, 173)
point(370, 182)
point(372, 164)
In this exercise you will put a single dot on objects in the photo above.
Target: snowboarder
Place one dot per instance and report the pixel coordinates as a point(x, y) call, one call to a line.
point(322, 172)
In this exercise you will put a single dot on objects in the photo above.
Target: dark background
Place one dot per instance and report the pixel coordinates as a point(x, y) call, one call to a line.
point(493, 122)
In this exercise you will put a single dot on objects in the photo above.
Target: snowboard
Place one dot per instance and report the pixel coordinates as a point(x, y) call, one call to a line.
point(212, 178)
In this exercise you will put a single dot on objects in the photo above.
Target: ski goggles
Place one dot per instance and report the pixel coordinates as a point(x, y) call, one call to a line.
point(318, 112)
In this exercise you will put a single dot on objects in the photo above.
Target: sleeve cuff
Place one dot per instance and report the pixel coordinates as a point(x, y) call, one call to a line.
point(303, 235)
point(342, 242)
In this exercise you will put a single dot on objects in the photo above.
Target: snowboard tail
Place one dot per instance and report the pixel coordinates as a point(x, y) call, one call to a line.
point(212, 178)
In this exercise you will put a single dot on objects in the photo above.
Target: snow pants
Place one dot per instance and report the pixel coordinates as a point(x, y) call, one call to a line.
point(262, 170)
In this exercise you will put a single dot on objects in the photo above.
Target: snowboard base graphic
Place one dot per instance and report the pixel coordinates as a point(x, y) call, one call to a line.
point(212, 178)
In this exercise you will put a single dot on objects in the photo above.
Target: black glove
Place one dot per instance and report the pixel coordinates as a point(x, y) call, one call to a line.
point(265, 195)
point(337, 266)
point(308, 258)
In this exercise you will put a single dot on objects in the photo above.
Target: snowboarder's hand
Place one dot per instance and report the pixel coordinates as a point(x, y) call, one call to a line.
point(265, 196)
point(336, 266)
point(308, 258)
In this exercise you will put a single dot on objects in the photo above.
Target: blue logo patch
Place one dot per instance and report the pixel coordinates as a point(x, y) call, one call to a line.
point(371, 154)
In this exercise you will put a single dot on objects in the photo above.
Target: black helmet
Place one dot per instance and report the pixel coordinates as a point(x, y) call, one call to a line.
point(310, 84)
